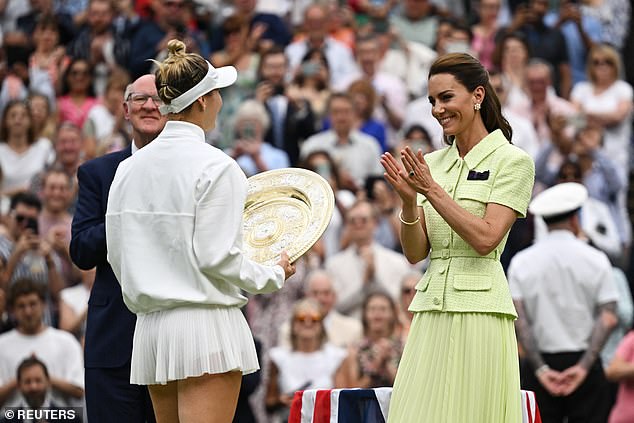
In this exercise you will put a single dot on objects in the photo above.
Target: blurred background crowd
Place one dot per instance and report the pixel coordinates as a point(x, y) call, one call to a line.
point(324, 85)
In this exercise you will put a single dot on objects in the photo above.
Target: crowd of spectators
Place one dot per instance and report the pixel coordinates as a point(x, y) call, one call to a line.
point(325, 85)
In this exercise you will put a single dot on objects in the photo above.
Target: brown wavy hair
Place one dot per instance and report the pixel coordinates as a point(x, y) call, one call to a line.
point(470, 73)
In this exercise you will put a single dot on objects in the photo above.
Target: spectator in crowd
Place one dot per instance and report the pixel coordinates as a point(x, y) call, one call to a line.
point(417, 137)
point(22, 155)
point(356, 153)
point(524, 135)
point(321, 162)
point(250, 151)
point(621, 370)
point(73, 305)
point(97, 43)
point(110, 325)
point(312, 83)
point(374, 360)
point(391, 92)
point(453, 36)
point(107, 117)
point(49, 56)
point(69, 155)
point(406, 60)
point(511, 56)
point(239, 52)
point(606, 101)
point(485, 31)
point(365, 98)
point(339, 57)
point(547, 43)
point(383, 198)
point(615, 17)
point(418, 113)
point(77, 96)
point(580, 30)
point(365, 264)
point(27, 253)
point(408, 291)
point(58, 349)
point(54, 221)
point(373, 15)
point(42, 116)
point(34, 387)
point(341, 330)
point(292, 119)
point(310, 363)
point(417, 21)
point(26, 23)
point(565, 298)
point(542, 103)
point(274, 30)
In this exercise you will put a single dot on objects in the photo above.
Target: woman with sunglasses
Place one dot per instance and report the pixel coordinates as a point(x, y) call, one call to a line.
point(174, 234)
point(77, 94)
point(606, 100)
point(310, 363)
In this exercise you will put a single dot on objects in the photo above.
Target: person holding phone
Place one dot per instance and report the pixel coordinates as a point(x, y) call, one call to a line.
point(250, 151)
point(25, 254)
point(174, 238)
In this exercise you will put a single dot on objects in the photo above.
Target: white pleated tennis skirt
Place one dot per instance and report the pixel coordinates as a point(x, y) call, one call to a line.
point(188, 342)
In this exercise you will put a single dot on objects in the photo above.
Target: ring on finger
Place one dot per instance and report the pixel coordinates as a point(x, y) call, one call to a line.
point(411, 173)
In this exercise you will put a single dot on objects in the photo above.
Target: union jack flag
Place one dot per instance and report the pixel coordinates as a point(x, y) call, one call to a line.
point(366, 406)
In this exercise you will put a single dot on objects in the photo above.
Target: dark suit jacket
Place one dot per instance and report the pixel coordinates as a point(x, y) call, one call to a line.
point(298, 125)
point(110, 325)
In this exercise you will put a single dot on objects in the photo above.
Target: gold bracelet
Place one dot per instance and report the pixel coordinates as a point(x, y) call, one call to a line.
point(412, 223)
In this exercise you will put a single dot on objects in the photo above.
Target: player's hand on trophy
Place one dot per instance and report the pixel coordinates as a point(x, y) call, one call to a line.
point(289, 268)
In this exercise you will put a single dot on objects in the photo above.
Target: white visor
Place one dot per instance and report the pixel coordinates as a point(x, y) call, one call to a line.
point(215, 78)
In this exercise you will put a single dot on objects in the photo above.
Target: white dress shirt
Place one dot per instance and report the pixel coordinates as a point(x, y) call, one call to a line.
point(561, 280)
point(174, 226)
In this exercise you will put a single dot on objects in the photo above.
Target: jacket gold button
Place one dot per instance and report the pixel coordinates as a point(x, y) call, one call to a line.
point(445, 243)
point(442, 270)
point(436, 300)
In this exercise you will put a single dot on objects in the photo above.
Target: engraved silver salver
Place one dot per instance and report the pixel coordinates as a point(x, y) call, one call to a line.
point(286, 209)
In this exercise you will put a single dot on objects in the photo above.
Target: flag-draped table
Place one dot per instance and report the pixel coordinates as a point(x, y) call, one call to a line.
point(366, 406)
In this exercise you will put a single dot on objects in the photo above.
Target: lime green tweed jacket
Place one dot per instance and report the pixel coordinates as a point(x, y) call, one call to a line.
point(458, 279)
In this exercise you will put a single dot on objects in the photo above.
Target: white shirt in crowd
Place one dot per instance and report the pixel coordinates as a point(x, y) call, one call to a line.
point(19, 168)
point(57, 349)
point(561, 281)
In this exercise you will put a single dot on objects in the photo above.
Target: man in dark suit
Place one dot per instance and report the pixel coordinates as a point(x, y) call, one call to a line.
point(292, 120)
point(110, 325)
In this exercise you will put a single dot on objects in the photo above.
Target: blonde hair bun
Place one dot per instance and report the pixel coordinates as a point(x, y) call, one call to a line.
point(176, 48)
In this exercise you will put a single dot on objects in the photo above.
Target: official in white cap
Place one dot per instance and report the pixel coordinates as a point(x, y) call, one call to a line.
point(174, 236)
point(565, 298)
point(559, 202)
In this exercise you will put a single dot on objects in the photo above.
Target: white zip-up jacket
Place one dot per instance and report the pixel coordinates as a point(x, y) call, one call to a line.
point(174, 226)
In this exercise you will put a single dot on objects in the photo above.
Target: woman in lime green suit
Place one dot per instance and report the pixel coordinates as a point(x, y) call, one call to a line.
point(460, 362)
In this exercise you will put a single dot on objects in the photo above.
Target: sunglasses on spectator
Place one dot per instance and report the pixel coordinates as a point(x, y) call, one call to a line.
point(22, 218)
point(308, 317)
point(599, 62)
point(140, 99)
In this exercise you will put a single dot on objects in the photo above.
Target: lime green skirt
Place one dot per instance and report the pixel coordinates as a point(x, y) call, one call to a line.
point(458, 368)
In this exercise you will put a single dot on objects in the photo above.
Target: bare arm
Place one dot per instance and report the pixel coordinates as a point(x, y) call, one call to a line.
point(67, 388)
point(7, 389)
point(606, 321)
point(413, 236)
point(483, 234)
point(525, 336)
point(620, 370)
point(68, 319)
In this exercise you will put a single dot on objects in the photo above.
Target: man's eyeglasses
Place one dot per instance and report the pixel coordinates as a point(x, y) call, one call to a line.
point(140, 99)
